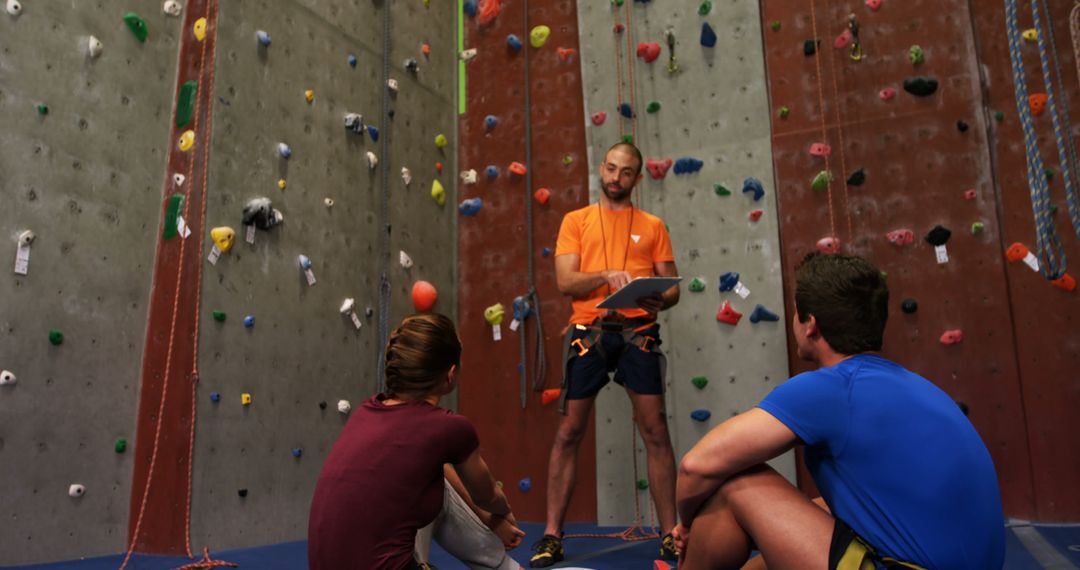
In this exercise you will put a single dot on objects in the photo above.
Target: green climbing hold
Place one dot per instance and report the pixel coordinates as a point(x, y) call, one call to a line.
point(1000, 116)
point(977, 228)
point(137, 25)
point(56, 338)
point(1053, 209)
point(775, 25)
point(915, 54)
point(567, 160)
point(43, 109)
point(121, 445)
point(185, 103)
point(696, 285)
point(1049, 173)
point(822, 180)
point(219, 316)
point(642, 484)
point(699, 382)
point(721, 190)
point(653, 107)
point(172, 212)
point(628, 139)
point(617, 2)
point(705, 7)
point(784, 112)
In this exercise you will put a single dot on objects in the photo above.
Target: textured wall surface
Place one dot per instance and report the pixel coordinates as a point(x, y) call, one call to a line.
point(714, 108)
point(86, 179)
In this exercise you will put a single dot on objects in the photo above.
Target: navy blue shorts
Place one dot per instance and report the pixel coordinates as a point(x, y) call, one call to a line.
point(636, 369)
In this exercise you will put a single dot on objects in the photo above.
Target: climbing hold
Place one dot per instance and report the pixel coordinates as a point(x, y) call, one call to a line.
point(249, 321)
point(351, 60)
point(513, 42)
point(404, 259)
point(465, 55)
point(809, 47)
point(469, 8)
point(42, 109)
point(828, 245)
point(489, 10)
point(424, 296)
point(697, 285)
point(492, 171)
point(648, 51)
point(245, 399)
point(539, 36)
point(873, 5)
point(178, 179)
point(171, 8)
point(392, 86)
point(187, 140)
point(525, 485)
point(727, 314)
point(1065, 282)
point(783, 112)
point(137, 26)
point(619, 28)
point(468, 177)
point(886, 94)
point(172, 212)
point(215, 397)
point(729, 281)
point(406, 175)
point(354, 122)
point(242, 492)
point(7, 377)
point(542, 196)
point(185, 103)
point(56, 338)
point(970, 194)
point(821, 181)
point(438, 167)
point(916, 55)
point(546, 252)
point(626, 110)
point(219, 316)
point(438, 193)
point(284, 150)
point(521, 308)
point(263, 37)
point(494, 314)
point(909, 306)
point(760, 313)
point(296, 452)
point(309, 95)
point(470, 206)
point(344, 406)
point(700, 415)
point(425, 48)
point(921, 86)
point(14, 7)
point(441, 141)
point(722, 190)
point(708, 36)
point(939, 235)
point(977, 228)
point(699, 382)
point(491, 121)
point(687, 164)
point(260, 212)
point(328, 202)
point(857, 178)
point(1030, 34)
point(1017, 251)
point(93, 46)
point(372, 160)
point(658, 168)
point(599, 118)
point(755, 215)
point(76, 490)
point(705, 7)
point(642, 484)
point(820, 149)
point(411, 65)
point(517, 168)
point(322, 405)
point(199, 29)
point(282, 183)
point(843, 40)
point(999, 116)
point(653, 107)
point(961, 126)
point(1037, 101)
point(901, 237)
point(565, 53)
point(952, 337)
point(223, 238)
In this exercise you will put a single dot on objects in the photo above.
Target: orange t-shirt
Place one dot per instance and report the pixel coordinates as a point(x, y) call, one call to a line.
point(630, 239)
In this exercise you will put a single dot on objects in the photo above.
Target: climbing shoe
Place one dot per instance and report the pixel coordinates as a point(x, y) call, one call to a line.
point(547, 551)
point(667, 548)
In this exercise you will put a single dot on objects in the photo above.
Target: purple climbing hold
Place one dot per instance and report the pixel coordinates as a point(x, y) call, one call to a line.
point(373, 132)
point(626, 110)
point(728, 281)
point(762, 314)
point(470, 207)
point(708, 36)
point(700, 415)
point(513, 42)
point(688, 164)
point(753, 185)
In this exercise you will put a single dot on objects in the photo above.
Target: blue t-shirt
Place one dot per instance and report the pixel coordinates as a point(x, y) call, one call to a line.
point(896, 459)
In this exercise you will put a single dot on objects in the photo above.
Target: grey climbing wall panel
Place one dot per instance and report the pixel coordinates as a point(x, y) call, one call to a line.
point(714, 109)
point(86, 178)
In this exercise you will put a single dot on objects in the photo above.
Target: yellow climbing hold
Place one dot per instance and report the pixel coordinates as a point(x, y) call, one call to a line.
point(200, 29)
point(441, 142)
point(245, 399)
point(1030, 35)
point(494, 314)
point(438, 193)
point(309, 95)
point(281, 183)
point(187, 140)
point(223, 238)
point(539, 36)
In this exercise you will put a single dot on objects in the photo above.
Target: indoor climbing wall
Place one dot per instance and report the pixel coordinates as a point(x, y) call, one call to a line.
point(699, 115)
point(82, 161)
point(909, 181)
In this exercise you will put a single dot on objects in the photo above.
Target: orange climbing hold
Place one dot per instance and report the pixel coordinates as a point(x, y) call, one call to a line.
point(1038, 103)
point(517, 168)
point(565, 53)
point(438, 167)
point(951, 337)
point(1065, 282)
point(489, 10)
point(425, 49)
point(1016, 252)
point(424, 296)
point(542, 195)
point(550, 395)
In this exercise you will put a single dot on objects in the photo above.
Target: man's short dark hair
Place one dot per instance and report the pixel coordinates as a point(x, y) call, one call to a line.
point(630, 149)
point(848, 297)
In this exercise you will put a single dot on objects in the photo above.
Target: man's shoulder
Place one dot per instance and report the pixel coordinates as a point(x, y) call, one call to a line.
point(651, 218)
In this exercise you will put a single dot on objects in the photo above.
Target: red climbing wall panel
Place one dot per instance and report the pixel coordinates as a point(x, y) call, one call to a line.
point(1046, 320)
point(918, 164)
point(492, 246)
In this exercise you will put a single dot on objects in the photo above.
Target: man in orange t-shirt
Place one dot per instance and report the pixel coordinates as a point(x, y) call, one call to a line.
point(601, 247)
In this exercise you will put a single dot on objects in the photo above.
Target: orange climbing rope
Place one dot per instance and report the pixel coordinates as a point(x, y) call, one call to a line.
point(208, 563)
point(821, 109)
point(839, 135)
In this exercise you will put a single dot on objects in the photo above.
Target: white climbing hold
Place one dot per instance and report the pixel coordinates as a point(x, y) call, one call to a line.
point(93, 46)
point(406, 175)
point(406, 261)
point(344, 406)
point(347, 306)
point(26, 237)
point(7, 377)
point(328, 202)
point(392, 84)
point(354, 122)
point(172, 8)
point(468, 177)
point(372, 160)
point(14, 8)
point(178, 179)
point(76, 490)
point(467, 54)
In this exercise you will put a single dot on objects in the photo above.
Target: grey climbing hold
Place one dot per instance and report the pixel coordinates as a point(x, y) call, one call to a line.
point(259, 212)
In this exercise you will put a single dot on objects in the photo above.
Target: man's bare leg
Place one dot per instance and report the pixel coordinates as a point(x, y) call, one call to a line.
point(562, 467)
point(789, 529)
point(650, 415)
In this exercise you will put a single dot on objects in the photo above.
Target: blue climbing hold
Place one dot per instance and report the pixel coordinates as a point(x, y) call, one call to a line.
point(352, 60)
point(513, 42)
point(522, 309)
point(263, 37)
point(546, 252)
point(284, 150)
point(470, 207)
point(373, 132)
point(215, 397)
point(762, 314)
point(525, 485)
point(490, 121)
point(470, 8)
point(626, 110)
point(753, 185)
point(688, 164)
point(728, 281)
point(708, 36)
point(297, 452)
point(249, 321)
point(304, 261)
point(492, 171)
point(700, 415)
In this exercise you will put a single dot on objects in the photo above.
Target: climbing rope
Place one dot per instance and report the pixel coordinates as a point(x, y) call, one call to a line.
point(1046, 237)
point(1074, 31)
point(839, 129)
point(821, 112)
point(384, 277)
point(631, 62)
point(531, 295)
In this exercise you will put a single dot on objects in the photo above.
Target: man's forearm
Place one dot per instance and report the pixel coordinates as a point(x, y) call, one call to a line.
point(691, 492)
point(579, 284)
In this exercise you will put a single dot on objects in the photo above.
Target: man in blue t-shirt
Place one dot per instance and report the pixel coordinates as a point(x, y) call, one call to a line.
point(906, 482)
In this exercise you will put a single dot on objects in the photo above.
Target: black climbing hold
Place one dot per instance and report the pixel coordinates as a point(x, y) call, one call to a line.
point(939, 235)
point(809, 47)
point(242, 492)
point(322, 405)
point(857, 178)
point(961, 126)
point(909, 306)
point(708, 36)
point(921, 86)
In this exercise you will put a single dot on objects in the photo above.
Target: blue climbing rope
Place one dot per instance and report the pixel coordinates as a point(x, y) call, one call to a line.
point(1046, 237)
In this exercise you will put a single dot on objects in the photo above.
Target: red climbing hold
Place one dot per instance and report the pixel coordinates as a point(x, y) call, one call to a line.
point(550, 395)
point(542, 195)
point(952, 337)
point(657, 168)
point(517, 168)
point(599, 118)
point(1065, 282)
point(828, 245)
point(755, 215)
point(820, 149)
point(970, 194)
point(648, 51)
point(843, 40)
point(901, 237)
point(1016, 252)
point(727, 314)
point(425, 49)
point(438, 167)
point(424, 296)
point(1037, 102)
point(565, 53)
point(874, 5)
point(619, 28)
point(886, 94)
point(489, 10)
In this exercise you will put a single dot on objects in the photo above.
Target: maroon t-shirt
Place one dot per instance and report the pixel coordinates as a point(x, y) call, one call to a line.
point(382, 482)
